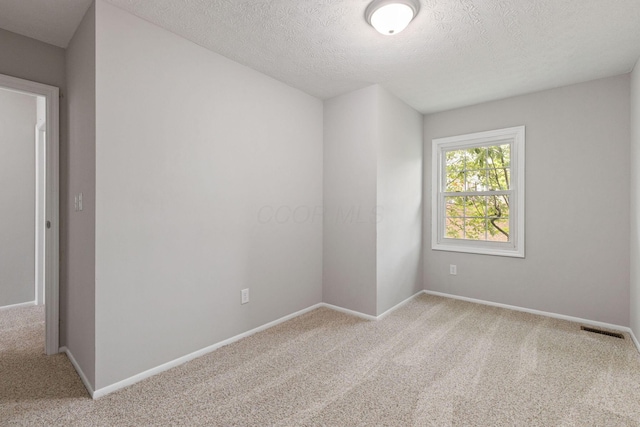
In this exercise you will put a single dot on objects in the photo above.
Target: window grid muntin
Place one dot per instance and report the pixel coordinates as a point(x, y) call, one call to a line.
point(487, 217)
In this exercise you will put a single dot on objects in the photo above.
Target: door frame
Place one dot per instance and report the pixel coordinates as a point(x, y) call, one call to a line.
point(40, 149)
point(52, 202)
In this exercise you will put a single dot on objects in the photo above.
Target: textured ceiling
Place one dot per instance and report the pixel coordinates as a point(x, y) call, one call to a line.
point(455, 53)
point(50, 21)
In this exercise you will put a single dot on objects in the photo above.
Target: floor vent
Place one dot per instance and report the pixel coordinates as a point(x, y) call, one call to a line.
point(601, 332)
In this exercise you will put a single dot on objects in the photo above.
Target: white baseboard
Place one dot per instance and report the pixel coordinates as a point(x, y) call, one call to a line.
point(22, 304)
point(369, 316)
point(397, 306)
point(635, 340)
point(542, 313)
point(181, 360)
point(350, 312)
point(75, 364)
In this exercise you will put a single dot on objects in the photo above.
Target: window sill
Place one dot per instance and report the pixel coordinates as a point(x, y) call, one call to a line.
point(482, 250)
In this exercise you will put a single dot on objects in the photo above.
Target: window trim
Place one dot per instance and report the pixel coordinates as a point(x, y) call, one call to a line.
point(515, 248)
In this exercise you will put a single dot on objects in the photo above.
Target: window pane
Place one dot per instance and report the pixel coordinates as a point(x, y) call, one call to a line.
point(454, 206)
point(454, 170)
point(476, 158)
point(498, 206)
point(498, 230)
point(499, 179)
point(455, 181)
point(476, 180)
point(475, 229)
point(455, 160)
point(499, 155)
point(455, 228)
point(475, 206)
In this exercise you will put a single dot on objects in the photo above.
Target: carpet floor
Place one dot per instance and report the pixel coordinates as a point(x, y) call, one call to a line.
point(432, 362)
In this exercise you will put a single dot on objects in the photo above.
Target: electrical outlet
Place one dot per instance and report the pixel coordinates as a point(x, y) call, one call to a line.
point(75, 203)
point(244, 296)
point(80, 201)
point(453, 269)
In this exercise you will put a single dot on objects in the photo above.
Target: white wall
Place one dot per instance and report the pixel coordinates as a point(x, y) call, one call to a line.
point(577, 204)
point(350, 181)
point(635, 200)
point(192, 152)
point(17, 196)
point(79, 297)
point(399, 201)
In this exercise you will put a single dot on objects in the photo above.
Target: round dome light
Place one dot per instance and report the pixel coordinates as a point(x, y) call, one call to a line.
point(389, 17)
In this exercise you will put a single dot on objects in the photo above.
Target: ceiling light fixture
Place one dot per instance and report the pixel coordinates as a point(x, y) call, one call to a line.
point(390, 17)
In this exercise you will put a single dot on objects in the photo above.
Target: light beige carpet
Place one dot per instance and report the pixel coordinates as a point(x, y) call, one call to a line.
point(433, 362)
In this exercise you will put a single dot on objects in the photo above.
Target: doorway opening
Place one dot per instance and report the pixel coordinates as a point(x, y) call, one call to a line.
point(46, 207)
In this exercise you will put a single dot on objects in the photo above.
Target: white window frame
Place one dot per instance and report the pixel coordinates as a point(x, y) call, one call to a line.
point(515, 136)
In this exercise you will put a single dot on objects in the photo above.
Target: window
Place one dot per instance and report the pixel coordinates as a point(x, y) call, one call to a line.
point(478, 193)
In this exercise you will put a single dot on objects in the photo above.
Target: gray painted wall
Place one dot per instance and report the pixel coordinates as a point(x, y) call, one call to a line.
point(635, 200)
point(79, 298)
point(399, 193)
point(31, 59)
point(350, 174)
point(372, 201)
point(192, 151)
point(17, 192)
point(577, 204)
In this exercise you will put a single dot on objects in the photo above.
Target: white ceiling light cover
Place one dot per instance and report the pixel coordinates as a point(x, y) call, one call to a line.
point(389, 17)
